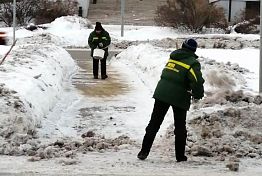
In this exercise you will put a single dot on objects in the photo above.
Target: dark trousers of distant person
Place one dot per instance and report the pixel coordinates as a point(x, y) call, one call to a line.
point(157, 117)
point(96, 66)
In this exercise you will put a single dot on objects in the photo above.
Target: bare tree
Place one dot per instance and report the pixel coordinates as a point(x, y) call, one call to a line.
point(25, 11)
point(192, 14)
point(50, 10)
point(38, 10)
point(6, 13)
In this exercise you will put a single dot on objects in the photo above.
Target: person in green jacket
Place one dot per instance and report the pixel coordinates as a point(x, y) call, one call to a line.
point(99, 38)
point(181, 79)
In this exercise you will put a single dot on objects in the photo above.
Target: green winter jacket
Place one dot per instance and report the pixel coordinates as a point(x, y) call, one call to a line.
point(181, 78)
point(94, 39)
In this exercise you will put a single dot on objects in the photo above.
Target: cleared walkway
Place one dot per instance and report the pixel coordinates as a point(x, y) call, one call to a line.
point(115, 85)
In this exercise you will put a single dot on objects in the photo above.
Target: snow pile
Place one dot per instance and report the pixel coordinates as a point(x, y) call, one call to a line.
point(145, 33)
point(64, 147)
point(227, 133)
point(224, 124)
point(32, 79)
point(144, 60)
point(221, 78)
point(72, 27)
point(3, 50)
point(148, 61)
point(233, 131)
point(66, 31)
point(42, 38)
point(71, 23)
point(207, 41)
point(15, 117)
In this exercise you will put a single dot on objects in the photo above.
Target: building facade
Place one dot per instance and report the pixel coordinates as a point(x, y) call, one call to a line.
point(84, 6)
point(234, 9)
point(137, 12)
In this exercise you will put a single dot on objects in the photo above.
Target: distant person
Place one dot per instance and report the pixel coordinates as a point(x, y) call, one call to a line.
point(181, 79)
point(99, 38)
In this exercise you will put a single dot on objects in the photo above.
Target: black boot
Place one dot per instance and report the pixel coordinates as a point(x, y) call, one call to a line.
point(142, 155)
point(104, 76)
point(146, 145)
point(180, 151)
point(183, 158)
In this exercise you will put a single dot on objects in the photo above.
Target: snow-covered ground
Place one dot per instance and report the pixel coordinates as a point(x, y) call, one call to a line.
point(42, 112)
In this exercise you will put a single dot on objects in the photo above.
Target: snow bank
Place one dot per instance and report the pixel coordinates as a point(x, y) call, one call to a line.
point(72, 27)
point(145, 33)
point(235, 130)
point(31, 82)
point(71, 23)
point(3, 50)
point(145, 60)
point(204, 41)
point(66, 31)
point(148, 61)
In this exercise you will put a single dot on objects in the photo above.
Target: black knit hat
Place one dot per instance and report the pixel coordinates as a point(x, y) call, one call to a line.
point(98, 26)
point(190, 44)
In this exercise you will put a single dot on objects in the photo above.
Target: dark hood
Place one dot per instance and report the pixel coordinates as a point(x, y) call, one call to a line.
point(182, 53)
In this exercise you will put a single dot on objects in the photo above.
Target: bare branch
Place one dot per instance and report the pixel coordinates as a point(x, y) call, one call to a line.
point(28, 10)
point(191, 14)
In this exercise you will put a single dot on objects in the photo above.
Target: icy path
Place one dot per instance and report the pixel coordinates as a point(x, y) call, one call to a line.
point(111, 107)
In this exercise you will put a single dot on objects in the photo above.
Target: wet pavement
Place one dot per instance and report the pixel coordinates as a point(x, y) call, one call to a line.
point(114, 85)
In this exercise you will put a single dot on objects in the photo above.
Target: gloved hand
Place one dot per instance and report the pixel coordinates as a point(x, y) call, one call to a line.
point(195, 100)
point(100, 45)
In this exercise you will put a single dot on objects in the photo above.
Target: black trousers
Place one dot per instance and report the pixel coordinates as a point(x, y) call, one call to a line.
point(157, 117)
point(96, 66)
